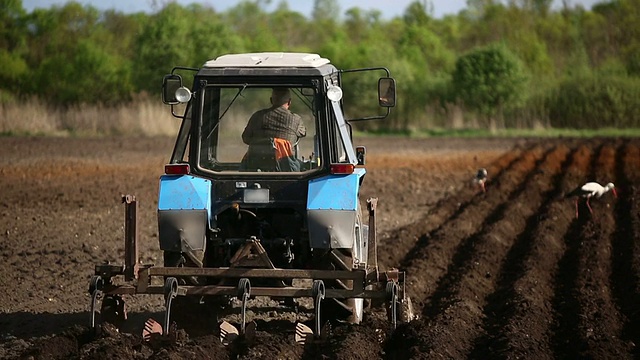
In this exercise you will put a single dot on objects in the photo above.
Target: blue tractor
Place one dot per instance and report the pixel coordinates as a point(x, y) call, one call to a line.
point(279, 218)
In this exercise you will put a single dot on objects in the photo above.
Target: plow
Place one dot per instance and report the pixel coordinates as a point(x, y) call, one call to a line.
point(239, 220)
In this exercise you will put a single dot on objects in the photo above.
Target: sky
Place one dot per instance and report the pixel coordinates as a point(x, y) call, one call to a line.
point(388, 8)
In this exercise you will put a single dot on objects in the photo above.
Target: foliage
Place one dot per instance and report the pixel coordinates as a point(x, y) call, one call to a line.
point(595, 101)
point(457, 72)
point(489, 80)
point(13, 69)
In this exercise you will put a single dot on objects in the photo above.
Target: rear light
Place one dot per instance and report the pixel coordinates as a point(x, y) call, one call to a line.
point(177, 169)
point(342, 168)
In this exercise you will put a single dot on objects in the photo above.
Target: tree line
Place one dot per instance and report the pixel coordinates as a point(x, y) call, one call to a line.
point(497, 64)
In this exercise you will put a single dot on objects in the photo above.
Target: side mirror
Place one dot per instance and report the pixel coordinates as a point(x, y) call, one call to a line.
point(361, 151)
point(170, 84)
point(387, 92)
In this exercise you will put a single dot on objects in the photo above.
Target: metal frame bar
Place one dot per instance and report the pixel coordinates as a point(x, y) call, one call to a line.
point(131, 266)
point(145, 275)
point(138, 277)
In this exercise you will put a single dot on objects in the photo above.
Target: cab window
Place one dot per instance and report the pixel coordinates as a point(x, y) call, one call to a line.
point(226, 115)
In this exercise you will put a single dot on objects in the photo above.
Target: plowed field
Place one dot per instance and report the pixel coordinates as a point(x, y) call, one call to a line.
point(507, 273)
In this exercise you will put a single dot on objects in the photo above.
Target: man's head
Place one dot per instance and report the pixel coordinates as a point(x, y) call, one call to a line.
point(280, 96)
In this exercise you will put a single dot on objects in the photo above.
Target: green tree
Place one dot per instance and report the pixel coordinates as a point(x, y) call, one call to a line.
point(89, 75)
point(210, 36)
point(293, 29)
point(416, 13)
point(537, 7)
point(163, 43)
point(488, 80)
point(249, 20)
point(479, 8)
point(13, 47)
point(612, 30)
point(74, 57)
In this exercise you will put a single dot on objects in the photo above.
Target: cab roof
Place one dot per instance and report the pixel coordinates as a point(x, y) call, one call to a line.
point(268, 59)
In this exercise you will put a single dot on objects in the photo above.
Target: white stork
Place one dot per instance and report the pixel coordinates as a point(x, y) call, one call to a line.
point(481, 178)
point(589, 190)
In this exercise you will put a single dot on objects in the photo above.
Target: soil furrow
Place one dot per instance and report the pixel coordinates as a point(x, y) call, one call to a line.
point(512, 326)
point(454, 312)
point(427, 262)
point(506, 274)
point(625, 273)
point(566, 338)
point(391, 249)
point(491, 246)
point(599, 320)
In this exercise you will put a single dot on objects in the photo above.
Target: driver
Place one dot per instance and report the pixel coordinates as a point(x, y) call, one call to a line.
point(275, 122)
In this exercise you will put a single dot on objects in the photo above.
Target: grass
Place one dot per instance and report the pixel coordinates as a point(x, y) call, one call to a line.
point(145, 117)
point(149, 117)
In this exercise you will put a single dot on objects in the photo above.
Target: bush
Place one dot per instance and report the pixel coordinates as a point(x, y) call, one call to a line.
point(490, 80)
point(595, 101)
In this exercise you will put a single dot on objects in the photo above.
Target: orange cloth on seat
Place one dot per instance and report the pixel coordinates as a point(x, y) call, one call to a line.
point(283, 148)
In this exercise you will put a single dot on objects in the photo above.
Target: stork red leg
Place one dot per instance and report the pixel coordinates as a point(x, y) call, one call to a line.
point(576, 208)
point(589, 206)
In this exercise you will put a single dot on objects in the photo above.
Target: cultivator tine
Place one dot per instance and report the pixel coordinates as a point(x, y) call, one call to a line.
point(228, 333)
point(318, 291)
point(247, 330)
point(95, 289)
point(244, 292)
point(392, 294)
point(304, 335)
point(151, 328)
point(303, 332)
point(170, 292)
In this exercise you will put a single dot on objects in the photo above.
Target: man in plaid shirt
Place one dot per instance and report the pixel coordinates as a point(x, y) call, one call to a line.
point(275, 122)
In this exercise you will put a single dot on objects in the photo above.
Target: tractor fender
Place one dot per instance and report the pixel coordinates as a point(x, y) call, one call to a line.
point(332, 206)
point(184, 210)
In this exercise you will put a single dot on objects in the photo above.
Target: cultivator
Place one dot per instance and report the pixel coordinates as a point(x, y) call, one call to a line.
point(250, 263)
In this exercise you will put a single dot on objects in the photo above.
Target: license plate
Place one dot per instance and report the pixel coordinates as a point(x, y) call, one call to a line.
point(256, 196)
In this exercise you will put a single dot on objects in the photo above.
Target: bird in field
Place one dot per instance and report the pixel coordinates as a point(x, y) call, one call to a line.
point(589, 190)
point(481, 179)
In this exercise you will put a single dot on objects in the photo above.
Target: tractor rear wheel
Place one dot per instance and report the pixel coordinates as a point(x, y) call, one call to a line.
point(113, 310)
point(351, 309)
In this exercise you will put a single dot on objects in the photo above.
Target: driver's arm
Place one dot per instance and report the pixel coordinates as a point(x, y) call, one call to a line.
point(249, 133)
point(301, 131)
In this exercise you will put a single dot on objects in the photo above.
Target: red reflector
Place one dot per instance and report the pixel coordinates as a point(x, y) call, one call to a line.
point(177, 169)
point(342, 168)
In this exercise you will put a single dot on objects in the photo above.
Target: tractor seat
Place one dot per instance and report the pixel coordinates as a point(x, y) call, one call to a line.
point(271, 154)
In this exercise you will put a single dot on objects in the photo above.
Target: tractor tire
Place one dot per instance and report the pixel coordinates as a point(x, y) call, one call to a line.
point(113, 310)
point(349, 310)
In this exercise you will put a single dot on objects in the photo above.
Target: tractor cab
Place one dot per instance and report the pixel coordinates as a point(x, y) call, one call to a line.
point(227, 91)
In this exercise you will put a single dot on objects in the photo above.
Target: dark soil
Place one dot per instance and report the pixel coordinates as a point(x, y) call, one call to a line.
point(510, 273)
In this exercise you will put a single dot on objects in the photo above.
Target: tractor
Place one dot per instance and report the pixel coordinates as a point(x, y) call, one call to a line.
point(238, 221)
